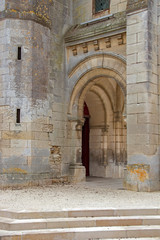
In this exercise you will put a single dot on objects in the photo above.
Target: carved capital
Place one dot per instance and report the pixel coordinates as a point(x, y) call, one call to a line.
point(117, 116)
point(105, 129)
point(80, 124)
point(77, 123)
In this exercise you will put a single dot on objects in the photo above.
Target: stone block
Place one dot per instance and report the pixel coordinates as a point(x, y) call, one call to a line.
point(18, 135)
point(77, 173)
point(137, 177)
point(122, 6)
point(16, 143)
point(144, 118)
point(132, 98)
point(22, 127)
point(140, 148)
point(47, 128)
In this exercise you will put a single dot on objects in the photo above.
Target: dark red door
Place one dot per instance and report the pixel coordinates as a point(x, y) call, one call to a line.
point(85, 140)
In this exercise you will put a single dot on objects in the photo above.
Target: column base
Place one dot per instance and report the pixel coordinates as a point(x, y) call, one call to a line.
point(77, 173)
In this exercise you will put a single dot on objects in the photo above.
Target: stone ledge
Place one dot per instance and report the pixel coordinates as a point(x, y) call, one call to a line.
point(11, 13)
point(78, 32)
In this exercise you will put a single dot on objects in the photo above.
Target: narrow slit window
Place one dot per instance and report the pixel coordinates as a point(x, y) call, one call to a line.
point(18, 116)
point(101, 5)
point(19, 53)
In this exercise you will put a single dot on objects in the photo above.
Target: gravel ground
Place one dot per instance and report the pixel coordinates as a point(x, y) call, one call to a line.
point(95, 193)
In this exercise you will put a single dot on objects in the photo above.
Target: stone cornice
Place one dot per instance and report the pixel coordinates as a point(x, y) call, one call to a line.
point(80, 32)
point(12, 13)
point(134, 5)
point(34, 10)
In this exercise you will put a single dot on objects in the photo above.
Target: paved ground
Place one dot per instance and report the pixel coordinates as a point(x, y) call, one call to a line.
point(95, 193)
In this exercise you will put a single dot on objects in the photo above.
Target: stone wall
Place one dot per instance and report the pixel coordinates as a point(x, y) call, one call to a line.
point(35, 85)
point(83, 10)
point(61, 22)
point(142, 97)
point(158, 64)
point(64, 62)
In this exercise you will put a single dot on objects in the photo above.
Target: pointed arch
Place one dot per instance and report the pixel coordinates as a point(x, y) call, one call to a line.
point(87, 72)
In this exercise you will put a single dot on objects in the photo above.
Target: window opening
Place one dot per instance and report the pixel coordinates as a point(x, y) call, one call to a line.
point(18, 117)
point(19, 53)
point(101, 5)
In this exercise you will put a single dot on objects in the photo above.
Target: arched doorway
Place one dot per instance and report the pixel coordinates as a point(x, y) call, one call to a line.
point(107, 139)
point(85, 139)
point(102, 88)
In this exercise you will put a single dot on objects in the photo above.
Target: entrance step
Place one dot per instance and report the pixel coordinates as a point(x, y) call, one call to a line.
point(89, 224)
point(79, 213)
point(84, 233)
point(78, 222)
point(129, 239)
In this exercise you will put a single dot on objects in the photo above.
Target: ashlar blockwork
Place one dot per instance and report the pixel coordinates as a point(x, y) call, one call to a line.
point(79, 92)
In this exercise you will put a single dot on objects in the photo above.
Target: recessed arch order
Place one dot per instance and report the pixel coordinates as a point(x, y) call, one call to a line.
point(87, 72)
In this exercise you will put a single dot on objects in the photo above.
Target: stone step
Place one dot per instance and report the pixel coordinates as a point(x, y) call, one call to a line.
point(78, 213)
point(84, 233)
point(127, 238)
point(92, 224)
point(78, 222)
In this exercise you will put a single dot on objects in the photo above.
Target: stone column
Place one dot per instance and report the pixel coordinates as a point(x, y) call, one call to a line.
point(118, 136)
point(105, 145)
point(142, 97)
point(76, 170)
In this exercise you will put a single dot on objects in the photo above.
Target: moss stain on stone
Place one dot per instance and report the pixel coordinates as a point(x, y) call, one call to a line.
point(14, 170)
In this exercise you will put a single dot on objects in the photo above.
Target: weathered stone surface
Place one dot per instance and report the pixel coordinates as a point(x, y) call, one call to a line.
point(88, 30)
point(134, 5)
point(142, 90)
point(34, 10)
point(77, 173)
point(71, 54)
point(137, 177)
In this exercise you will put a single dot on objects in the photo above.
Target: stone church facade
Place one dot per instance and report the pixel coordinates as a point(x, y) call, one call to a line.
point(79, 95)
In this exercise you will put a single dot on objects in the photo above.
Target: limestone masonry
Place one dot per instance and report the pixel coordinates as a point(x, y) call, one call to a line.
point(79, 83)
